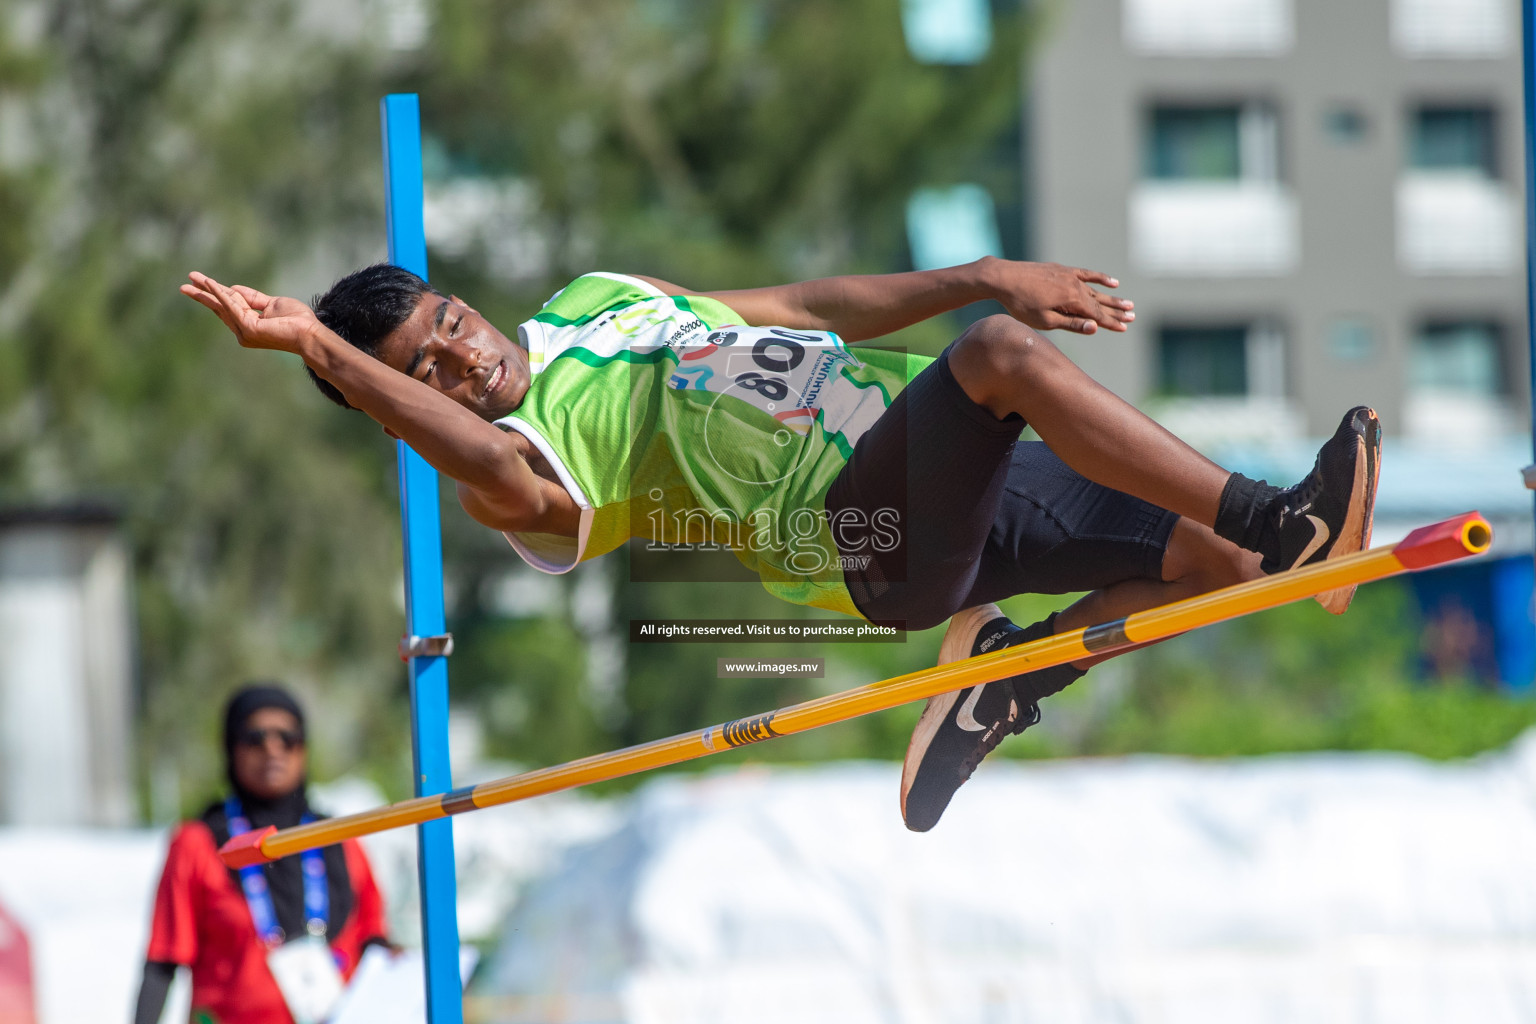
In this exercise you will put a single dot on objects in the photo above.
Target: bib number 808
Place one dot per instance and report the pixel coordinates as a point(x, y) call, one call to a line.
point(779, 354)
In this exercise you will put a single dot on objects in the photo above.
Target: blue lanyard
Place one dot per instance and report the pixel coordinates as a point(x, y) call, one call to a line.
point(317, 896)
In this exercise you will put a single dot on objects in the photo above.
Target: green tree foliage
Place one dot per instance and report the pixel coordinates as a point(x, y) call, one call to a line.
point(142, 140)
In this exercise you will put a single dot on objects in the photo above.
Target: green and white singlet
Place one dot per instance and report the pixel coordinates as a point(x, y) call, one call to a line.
point(665, 418)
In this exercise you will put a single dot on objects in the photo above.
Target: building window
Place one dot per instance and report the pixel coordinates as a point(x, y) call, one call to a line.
point(1201, 361)
point(1457, 392)
point(1463, 357)
point(1232, 360)
point(1454, 214)
point(1210, 203)
point(1231, 142)
point(1454, 140)
point(1193, 142)
point(1222, 383)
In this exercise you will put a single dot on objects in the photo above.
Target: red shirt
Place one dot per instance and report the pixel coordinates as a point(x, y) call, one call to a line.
point(16, 996)
point(201, 920)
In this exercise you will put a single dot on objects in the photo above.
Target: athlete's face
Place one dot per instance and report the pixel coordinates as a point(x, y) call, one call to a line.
point(453, 349)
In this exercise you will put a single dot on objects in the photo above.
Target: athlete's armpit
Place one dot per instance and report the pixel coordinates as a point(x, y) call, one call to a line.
point(528, 499)
point(544, 508)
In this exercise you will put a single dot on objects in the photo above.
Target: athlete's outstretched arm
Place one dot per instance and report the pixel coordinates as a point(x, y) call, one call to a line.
point(1045, 296)
point(504, 492)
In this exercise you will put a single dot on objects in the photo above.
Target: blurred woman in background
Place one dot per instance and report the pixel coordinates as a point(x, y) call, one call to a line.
point(272, 944)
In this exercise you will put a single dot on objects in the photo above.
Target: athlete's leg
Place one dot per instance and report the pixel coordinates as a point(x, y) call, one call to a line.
point(1196, 562)
point(1009, 369)
point(1006, 367)
point(930, 472)
point(939, 455)
point(1055, 532)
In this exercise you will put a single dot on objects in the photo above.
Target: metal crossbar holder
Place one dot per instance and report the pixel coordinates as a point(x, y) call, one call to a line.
point(426, 646)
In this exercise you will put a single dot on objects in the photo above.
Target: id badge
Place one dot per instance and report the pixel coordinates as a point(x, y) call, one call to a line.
point(307, 975)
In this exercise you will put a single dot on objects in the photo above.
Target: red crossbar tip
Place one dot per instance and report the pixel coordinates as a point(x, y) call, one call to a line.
point(1467, 534)
point(244, 850)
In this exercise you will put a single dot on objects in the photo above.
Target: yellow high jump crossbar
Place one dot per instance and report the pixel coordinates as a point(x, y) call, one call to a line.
point(1467, 534)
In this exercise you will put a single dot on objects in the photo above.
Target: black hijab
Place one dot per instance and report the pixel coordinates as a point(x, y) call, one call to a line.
point(285, 877)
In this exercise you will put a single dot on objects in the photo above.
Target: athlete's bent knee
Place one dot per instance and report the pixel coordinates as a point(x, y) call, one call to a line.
point(997, 357)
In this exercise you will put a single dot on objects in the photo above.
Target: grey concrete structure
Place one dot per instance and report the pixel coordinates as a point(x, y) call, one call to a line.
point(66, 674)
point(1327, 248)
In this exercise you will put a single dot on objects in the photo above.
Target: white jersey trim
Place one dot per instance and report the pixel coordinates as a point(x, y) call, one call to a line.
point(531, 335)
point(645, 286)
point(549, 552)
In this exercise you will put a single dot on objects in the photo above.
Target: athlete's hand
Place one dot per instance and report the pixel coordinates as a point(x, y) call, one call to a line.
point(1049, 296)
point(256, 319)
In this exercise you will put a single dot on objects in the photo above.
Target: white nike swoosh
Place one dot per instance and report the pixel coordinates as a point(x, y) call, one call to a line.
point(1319, 538)
point(965, 718)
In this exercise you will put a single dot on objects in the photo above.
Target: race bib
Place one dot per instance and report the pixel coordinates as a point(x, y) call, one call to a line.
point(794, 376)
point(308, 977)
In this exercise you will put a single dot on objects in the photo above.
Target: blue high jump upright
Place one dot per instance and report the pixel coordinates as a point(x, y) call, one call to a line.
point(1528, 75)
point(426, 625)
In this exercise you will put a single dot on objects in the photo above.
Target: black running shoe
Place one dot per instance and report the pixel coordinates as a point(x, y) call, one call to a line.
point(958, 729)
point(1329, 513)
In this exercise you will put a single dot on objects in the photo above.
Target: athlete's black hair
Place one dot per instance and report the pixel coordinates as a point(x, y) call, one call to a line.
point(364, 307)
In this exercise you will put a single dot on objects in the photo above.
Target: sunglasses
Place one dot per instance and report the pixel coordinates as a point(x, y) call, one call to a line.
point(258, 738)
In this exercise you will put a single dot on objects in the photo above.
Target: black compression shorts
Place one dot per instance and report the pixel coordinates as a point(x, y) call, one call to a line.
point(979, 515)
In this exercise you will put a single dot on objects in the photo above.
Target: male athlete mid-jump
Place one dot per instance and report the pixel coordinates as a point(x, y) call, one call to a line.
point(875, 483)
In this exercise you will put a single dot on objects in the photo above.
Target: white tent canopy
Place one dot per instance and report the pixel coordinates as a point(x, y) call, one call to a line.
point(1312, 889)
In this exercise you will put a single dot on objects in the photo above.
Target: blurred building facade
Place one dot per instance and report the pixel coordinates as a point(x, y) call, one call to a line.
point(1313, 204)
